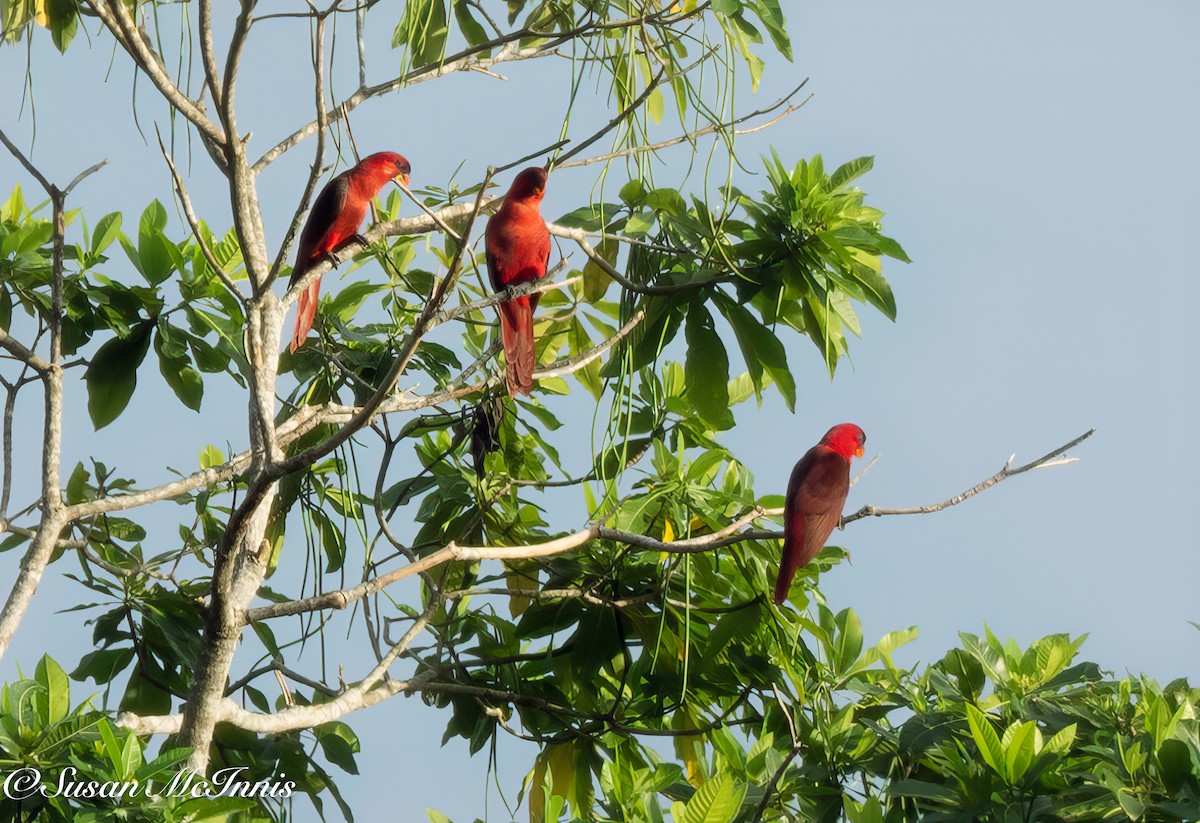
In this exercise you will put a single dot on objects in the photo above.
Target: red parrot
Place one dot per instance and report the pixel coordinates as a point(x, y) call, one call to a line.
point(518, 251)
point(815, 496)
point(333, 222)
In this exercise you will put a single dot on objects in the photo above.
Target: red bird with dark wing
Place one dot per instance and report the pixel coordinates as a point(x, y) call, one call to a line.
point(518, 251)
point(815, 496)
point(333, 222)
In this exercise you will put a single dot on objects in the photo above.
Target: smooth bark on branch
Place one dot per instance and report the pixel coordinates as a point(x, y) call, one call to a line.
point(53, 518)
point(729, 535)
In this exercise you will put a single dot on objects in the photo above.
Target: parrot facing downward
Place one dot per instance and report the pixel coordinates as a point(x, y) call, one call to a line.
point(815, 496)
point(518, 251)
point(333, 222)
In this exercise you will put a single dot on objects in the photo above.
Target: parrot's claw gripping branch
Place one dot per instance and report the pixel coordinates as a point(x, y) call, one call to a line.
point(367, 692)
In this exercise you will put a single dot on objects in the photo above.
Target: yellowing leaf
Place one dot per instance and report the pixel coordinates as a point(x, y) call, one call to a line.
point(518, 580)
point(685, 748)
point(668, 537)
point(537, 788)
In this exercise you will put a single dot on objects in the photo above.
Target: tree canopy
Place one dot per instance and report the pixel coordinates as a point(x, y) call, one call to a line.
point(604, 601)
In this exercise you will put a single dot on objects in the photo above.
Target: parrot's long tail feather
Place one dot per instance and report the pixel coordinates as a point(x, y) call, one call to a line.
point(306, 313)
point(516, 328)
point(788, 565)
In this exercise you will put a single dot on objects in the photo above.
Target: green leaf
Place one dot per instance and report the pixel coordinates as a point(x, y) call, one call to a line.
point(77, 484)
point(761, 348)
point(1134, 809)
point(1060, 743)
point(111, 746)
point(106, 232)
point(1020, 745)
point(422, 30)
point(58, 689)
point(986, 739)
point(156, 259)
point(62, 19)
point(211, 456)
point(102, 665)
point(848, 644)
point(706, 369)
point(112, 374)
point(921, 789)
point(474, 33)
point(595, 279)
point(339, 745)
point(850, 171)
point(717, 801)
point(184, 380)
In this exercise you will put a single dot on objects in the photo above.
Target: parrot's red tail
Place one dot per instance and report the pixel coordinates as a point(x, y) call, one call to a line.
point(306, 313)
point(788, 565)
point(516, 330)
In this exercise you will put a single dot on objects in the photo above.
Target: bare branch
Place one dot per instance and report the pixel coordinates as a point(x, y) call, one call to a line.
point(581, 238)
point(115, 16)
point(19, 351)
point(41, 547)
point(314, 173)
point(10, 404)
point(365, 693)
point(24, 161)
point(190, 214)
point(621, 116)
point(693, 135)
point(403, 226)
point(208, 53)
point(470, 59)
point(731, 534)
point(277, 667)
point(296, 426)
point(83, 175)
point(1046, 461)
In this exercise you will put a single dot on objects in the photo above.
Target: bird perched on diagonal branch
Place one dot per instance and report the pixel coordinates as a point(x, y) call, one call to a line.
point(518, 251)
point(333, 223)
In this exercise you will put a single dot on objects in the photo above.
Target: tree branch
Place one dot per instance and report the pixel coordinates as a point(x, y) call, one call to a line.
point(190, 214)
point(115, 16)
point(469, 59)
point(731, 534)
point(41, 547)
point(314, 173)
point(711, 129)
point(360, 696)
point(1046, 461)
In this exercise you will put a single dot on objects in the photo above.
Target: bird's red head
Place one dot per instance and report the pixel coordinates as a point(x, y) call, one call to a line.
point(846, 439)
point(530, 184)
point(386, 165)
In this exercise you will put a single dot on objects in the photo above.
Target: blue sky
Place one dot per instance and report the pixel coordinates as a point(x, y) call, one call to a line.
point(1036, 161)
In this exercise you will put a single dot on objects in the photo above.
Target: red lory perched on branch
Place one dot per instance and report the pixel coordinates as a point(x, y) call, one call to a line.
point(333, 222)
point(518, 251)
point(815, 496)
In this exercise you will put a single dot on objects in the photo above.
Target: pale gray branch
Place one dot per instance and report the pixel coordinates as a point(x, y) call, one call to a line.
point(194, 223)
point(115, 16)
point(1044, 462)
point(365, 693)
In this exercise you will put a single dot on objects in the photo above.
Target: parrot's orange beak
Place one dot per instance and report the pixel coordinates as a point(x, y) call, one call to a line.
point(403, 178)
point(858, 452)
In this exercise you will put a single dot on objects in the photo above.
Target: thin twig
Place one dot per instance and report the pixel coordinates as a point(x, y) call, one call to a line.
point(194, 223)
point(1046, 461)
